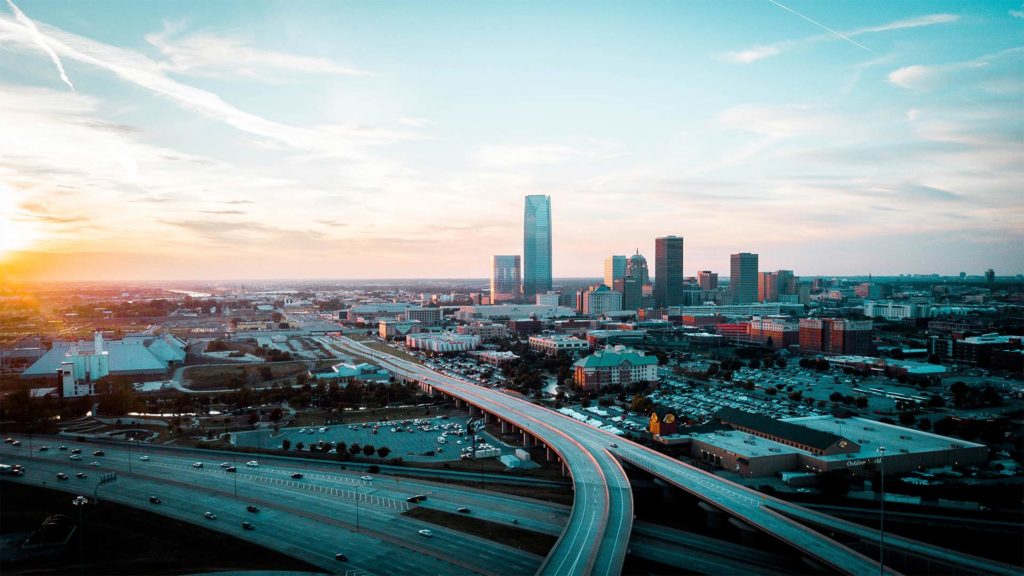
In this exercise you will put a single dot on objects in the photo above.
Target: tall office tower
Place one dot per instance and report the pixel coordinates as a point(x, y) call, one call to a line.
point(536, 247)
point(614, 269)
point(767, 287)
point(786, 282)
point(743, 278)
point(990, 276)
point(636, 282)
point(668, 271)
point(707, 280)
point(506, 278)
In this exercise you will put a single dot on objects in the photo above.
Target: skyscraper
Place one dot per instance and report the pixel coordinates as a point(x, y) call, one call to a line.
point(668, 271)
point(506, 278)
point(743, 278)
point(614, 269)
point(636, 281)
point(708, 280)
point(536, 247)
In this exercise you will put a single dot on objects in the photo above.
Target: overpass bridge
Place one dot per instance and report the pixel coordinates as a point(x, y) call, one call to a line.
point(596, 536)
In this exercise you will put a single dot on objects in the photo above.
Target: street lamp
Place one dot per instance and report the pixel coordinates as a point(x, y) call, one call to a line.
point(79, 502)
point(129, 455)
point(355, 490)
point(881, 520)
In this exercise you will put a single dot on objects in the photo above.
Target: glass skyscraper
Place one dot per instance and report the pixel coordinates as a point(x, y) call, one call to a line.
point(505, 278)
point(536, 247)
point(668, 271)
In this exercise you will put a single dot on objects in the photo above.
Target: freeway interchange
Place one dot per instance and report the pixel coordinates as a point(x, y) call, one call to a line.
point(595, 539)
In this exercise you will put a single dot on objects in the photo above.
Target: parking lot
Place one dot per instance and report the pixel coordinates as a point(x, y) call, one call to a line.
point(408, 439)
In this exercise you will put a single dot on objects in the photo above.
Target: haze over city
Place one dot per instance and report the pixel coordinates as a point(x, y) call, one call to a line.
point(191, 140)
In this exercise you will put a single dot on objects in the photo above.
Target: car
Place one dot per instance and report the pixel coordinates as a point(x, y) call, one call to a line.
point(96, 464)
point(248, 526)
point(62, 476)
point(209, 516)
point(464, 510)
point(16, 443)
point(341, 558)
point(144, 458)
point(253, 509)
point(154, 500)
point(426, 533)
point(225, 464)
point(99, 453)
point(44, 448)
point(368, 478)
point(75, 457)
point(297, 475)
point(62, 447)
point(613, 445)
point(76, 451)
point(197, 464)
point(81, 475)
point(8, 440)
point(252, 464)
point(231, 469)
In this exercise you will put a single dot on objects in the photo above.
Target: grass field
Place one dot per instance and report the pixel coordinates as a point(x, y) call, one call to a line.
point(528, 540)
point(216, 377)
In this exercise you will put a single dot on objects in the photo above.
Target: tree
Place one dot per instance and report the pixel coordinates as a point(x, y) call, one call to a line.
point(796, 396)
point(253, 418)
point(780, 363)
point(286, 444)
point(907, 418)
point(368, 450)
point(383, 452)
point(836, 397)
point(341, 447)
point(276, 414)
point(266, 373)
point(355, 448)
point(300, 446)
point(754, 364)
point(924, 424)
point(771, 391)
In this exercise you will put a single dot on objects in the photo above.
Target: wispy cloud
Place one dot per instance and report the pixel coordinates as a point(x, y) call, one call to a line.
point(927, 77)
point(763, 51)
point(1018, 13)
point(40, 41)
point(218, 56)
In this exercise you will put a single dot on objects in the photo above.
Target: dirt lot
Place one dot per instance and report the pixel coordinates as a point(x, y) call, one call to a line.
point(217, 377)
point(122, 540)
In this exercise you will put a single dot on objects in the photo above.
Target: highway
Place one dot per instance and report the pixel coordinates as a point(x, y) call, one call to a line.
point(596, 537)
point(319, 510)
point(768, 514)
point(605, 516)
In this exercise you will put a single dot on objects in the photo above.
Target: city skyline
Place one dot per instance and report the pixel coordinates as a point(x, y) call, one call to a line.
point(190, 141)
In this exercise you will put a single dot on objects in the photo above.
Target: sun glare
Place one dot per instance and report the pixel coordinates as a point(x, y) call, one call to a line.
point(14, 234)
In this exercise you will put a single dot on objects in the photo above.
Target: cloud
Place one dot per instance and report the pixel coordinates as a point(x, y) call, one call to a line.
point(1001, 69)
point(41, 42)
point(1018, 13)
point(224, 212)
point(320, 142)
point(761, 52)
point(518, 156)
point(221, 57)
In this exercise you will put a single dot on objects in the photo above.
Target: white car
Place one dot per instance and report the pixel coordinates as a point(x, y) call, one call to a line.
point(426, 533)
point(144, 458)
point(197, 465)
point(368, 478)
point(75, 457)
point(252, 464)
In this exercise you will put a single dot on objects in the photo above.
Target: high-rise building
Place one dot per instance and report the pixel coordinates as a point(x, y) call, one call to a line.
point(600, 300)
point(536, 246)
point(668, 271)
point(614, 269)
point(836, 336)
point(707, 280)
point(506, 278)
point(990, 276)
point(767, 287)
point(636, 284)
point(743, 278)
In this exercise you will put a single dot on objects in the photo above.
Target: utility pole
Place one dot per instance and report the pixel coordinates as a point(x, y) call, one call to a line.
point(79, 502)
point(881, 521)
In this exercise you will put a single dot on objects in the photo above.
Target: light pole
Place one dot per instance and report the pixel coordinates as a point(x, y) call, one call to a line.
point(355, 489)
point(881, 520)
point(129, 457)
point(79, 502)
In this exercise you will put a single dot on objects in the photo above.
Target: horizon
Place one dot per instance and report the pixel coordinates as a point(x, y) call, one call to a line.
point(195, 142)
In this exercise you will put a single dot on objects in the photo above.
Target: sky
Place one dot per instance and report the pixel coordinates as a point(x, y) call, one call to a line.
point(246, 139)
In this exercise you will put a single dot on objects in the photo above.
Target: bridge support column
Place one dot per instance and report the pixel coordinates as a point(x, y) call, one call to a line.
point(548, 454)
point(525, 438)
point(504, 426)
point(715, 517)
point(565, 471)
point(488, 418)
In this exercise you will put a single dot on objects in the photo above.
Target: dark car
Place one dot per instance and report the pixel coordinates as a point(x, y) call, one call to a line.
point(76, 451)
point(62, 476)
point(154, 500)
point(253, 509)
point(297, 475)
point(416, 498)
point(99, 453)
point(44, 448)
point(81, 475)
point(463, 510)
point(231, 469)
point(341, 557)
point(248, 526)
point(62, 448)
